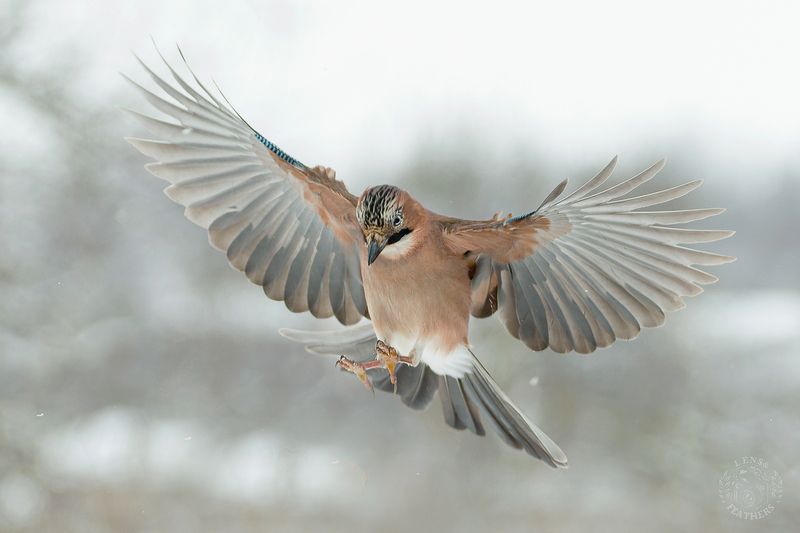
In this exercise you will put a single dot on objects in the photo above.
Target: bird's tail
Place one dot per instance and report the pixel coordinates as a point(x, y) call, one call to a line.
point(466, 401)
point(477, 390)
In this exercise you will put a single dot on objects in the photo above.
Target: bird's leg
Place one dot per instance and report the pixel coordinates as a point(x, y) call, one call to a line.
point(390, 359)
point(385, 357)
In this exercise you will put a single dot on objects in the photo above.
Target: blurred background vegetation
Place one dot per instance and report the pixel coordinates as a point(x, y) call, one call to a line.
point(143, 386)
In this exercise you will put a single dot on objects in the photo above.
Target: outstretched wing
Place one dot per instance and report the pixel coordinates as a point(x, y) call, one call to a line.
point(582, 271)
point(290, 228)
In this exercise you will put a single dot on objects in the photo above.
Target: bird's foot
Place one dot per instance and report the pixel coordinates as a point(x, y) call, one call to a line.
point(385, 357)
point(390, 359)
point(359, 369)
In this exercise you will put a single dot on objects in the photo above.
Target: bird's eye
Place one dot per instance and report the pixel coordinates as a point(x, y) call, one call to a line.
point(397, 221)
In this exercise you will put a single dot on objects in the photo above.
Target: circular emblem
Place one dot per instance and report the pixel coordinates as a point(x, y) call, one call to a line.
point(750, 489)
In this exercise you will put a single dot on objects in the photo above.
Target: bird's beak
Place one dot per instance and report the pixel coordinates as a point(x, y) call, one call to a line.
point(375, 245)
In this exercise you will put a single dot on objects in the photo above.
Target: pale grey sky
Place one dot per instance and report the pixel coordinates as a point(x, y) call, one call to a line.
point(352, 83)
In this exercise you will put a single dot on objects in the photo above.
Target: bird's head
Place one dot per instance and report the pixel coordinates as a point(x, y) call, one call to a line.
point(386, 215)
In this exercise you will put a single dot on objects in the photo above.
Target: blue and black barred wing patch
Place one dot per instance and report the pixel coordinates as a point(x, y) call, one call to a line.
point(278, 152)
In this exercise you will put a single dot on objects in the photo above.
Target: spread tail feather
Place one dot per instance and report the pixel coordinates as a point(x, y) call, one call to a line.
point(466, 401)
point(500, 412)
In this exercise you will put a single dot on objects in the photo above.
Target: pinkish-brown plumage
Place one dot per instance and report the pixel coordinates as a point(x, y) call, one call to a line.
point(575, 274)
point(436, 311)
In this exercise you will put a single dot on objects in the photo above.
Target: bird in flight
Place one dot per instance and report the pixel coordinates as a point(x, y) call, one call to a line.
point(574, 274)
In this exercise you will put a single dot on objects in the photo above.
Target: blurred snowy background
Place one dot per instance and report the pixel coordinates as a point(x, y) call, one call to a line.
point(143, 386)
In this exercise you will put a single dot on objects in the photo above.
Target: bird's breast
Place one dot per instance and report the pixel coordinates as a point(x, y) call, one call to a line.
point(419, 301)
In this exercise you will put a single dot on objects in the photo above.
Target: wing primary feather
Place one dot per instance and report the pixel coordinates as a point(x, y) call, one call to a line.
point(297, 281)
point(175, 132)
point(593, 183)
point(660, 273)
point(575, 310)
point(645, 200)
point(585, 297)
point(185, 117)
point(660, 234)
point(268, 246)
point(561, 339)
point(225, 230)
point(641, 309)
point(278, 270)
point(623, 323)
point(531, 314)
point(319, 267)
point(231, 109)
point(337, 271)
point(664, 262)
point(646, 280)
point(219, 104)
point(555, 193)
point(622, 188)
point(506, 301)
point(647, 218)
point(241, 248)
point(193, 106)
point(354, 283)
point(671, 251)
point(191, 91)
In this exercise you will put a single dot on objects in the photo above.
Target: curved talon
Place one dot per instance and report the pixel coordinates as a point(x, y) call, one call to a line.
point(385, 357)
point(389, 357)
point(356, 368)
